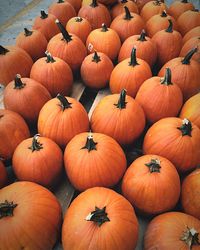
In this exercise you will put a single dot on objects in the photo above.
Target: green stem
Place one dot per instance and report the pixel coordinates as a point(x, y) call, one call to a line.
point(142, 37)
point(27, 32)
point(133, 62)
point(94, 4)
point(50, 58)
point(187, 58)
point(190, 237)
point(43, 14)
point(63, 102)
point(90, 144)
point(154, 166)
point(99, 216)
point(3, 50)
point(104, 27)
point(78, 19)
point(60, 1)
point(170, 27)
point(18, 82)
point(7, 209)
point(36, 145)
point(96, 58)
point(66, 36)
point(164, 13)
point(186, 127)
point(167, 78)
point(127, 14)
point(122, 100)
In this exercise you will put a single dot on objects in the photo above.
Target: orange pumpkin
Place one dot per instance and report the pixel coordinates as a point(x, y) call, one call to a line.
point(10, 56)
point(177, 7)
point(155, 102)
point(75, 3)
point(54, 73)
point(83, 166)
point(13, 130)
point(175, 139)
point(61, 119)
point(191, 33)
point(190, 44)
point(159, 176)
point(120, 117)
point(3, 175)
point(129, 74)
point(92, 67)
point(141, 3)
point(100, 212)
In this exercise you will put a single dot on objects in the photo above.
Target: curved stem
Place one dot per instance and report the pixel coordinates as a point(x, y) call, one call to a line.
point(133, 61)
point(142, 37)
point(190, 237)
point(170, 27)
point(104, 27)
point(164, 13)
point(18, 82)
point(90, 144)
point(96, 58)
point(63, 102)
point(50, 58)
point(167, 78)
point(7, 208)
point(27, 32)
point(154, 166)
point(127, 14)
point(3, 50)
point(186, 59)
point(78, 19)
point(94, 4)
point(43, 14)
point(66, 36)
point(186, 127)
point(60, 1)
point(36, 145)
point(122, 100)
point(99, 216)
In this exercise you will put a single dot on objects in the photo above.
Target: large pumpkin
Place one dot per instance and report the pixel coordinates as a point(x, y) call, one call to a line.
point(30, 217)
point(191, 33)
point(100, 219)
point(194, 42)
point(177, 7)
point(3, 175)
point(175, 139)
point(38, 160)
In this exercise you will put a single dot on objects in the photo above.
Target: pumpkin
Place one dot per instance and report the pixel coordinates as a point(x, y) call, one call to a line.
point(118, 8)
point(190, 44)
point(37, 207)
point(45, 23)
point(175, 139)
point(129, 74)
point(159, 176)
point(191, 33)
point(185, 73)
point(75, 3)
point(29, 98)
point(79, 26)
point(3, 175)
point(168, 42)
point(188, 20)
point(177, 7)
point(152, 8)
point(146, 48)
point(83, 165)
point(104, 40)
point(119, 116)
point(141, 3)
point(127, 24)
point(10, 56)
point(39, 160)
point(13, 130)
point(96, 13)
point(33, 42)
point(92, 67)
point(191, 109)
point(159, 22)
point(54, 73)
point(68, 47)
point(159, 97)
point(61, 119)
point(62, 10)
point(172, 230)
point(100, 212)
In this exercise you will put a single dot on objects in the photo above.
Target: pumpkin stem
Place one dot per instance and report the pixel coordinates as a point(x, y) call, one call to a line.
point(190, 237)
point(104, 27)
point(3, 50)
point(124, 1)
point(186, 127)
point(36, 145)
point(186, 59)
point(7, 208)
point(122, 100)
point(133, 62)
point(142, 37)
point(164, 13)
point(170, 27)
point(96, 58)
point(43, 14)
point(78, 19)
point(184, 1)
point(127, 13)
point(50, 58)
point(94, 4)
point(63, 102)
point(154, 166)
point(90, 144)
point(157, 2)
point(27, 32)
point(167, 78)
point(99, 216)
point(18, 82)
point(66, 36)
point(60, 1)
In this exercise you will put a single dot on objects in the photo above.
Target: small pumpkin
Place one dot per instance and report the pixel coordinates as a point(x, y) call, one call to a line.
point(177, 7)
point(175, 139)
point(129, 74)
point(61, 119)
point(54, 73)
point(10, 56)
point(191, 33)
point(92, 67)
point(155, 102)
point(33, 42)
point(13, 130)
point(119, 116)
point(3, 175)
point(38, 208)
point(100, 212)
point(190, 44)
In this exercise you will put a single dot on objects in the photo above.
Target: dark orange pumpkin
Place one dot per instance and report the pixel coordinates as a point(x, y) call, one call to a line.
point(3, 175)
point(194, 42)
point(175, 139)
point(100, 212)
point(173, 230)
point(177, 7)
point(68, 47)
point(92, 67)
point(13, 130)
point(29, 98)
point(54, 73)
point(33, 42)
point(191, 33)
point(88, 158)
point(129, 74)
point(40, 211)
point(159, 176)
point(120, 117)
point(39, 160)
point(159, 97)
point(61, 119)
point(13, 60)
